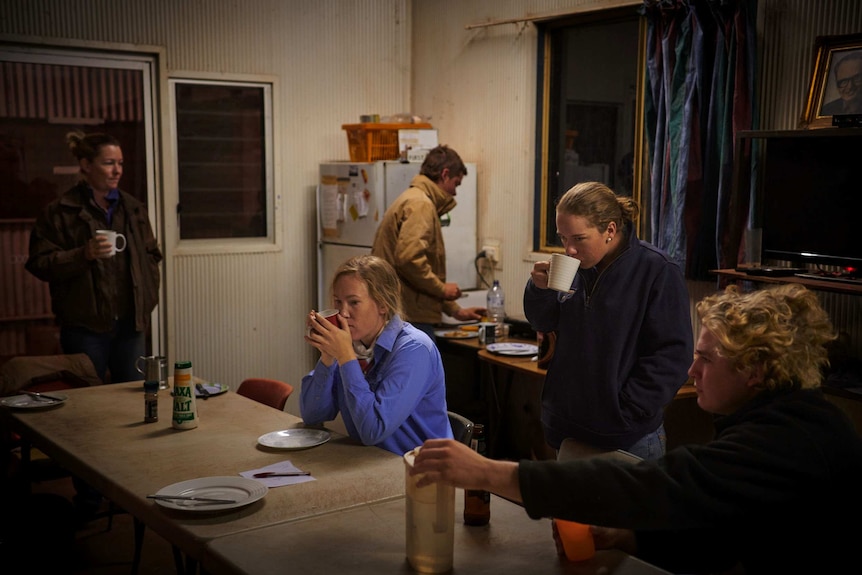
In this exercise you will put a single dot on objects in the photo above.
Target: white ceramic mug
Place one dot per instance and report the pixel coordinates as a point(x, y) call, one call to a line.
point(562, 272)
point(117, 240)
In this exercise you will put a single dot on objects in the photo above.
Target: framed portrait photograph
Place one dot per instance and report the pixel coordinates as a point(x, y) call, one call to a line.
point(836, 84)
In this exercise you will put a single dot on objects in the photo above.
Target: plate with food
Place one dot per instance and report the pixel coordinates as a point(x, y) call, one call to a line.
point(456, 333)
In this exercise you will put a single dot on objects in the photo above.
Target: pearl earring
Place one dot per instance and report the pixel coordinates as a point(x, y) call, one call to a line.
point(608, 240)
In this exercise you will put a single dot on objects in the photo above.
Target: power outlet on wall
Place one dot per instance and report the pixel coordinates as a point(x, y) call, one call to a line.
point(494, 253)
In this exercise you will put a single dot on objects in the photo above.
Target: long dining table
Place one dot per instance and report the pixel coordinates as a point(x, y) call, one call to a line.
point(99, 435)
point(370, 540)
point(351, 518)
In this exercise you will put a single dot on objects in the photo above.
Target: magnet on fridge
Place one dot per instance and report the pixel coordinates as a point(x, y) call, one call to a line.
point(340, 207)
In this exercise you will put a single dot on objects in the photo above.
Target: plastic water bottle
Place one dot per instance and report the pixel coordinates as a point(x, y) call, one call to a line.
point(496, 303)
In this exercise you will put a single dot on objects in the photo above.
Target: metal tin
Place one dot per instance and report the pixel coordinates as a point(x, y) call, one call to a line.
point(487, 333)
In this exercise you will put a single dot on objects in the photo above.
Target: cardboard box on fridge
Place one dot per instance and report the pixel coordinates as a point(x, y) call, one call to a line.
point(417, 142)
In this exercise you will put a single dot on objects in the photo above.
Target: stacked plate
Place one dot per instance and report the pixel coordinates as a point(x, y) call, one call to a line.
point(516, 349)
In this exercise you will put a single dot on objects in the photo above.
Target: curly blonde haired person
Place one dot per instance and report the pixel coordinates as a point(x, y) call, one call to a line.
point(759, 498)
point(781, 330)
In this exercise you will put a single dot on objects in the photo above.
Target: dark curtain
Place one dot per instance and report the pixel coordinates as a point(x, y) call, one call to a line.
point(699, 94)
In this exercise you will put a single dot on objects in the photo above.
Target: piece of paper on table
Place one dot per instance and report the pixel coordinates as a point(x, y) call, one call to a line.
point(280, 467)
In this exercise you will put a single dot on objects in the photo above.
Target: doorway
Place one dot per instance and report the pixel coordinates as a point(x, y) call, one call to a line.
point(45, 94)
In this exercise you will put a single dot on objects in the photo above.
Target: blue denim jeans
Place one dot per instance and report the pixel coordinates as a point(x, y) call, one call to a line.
point(116, 350)
point(650, 446)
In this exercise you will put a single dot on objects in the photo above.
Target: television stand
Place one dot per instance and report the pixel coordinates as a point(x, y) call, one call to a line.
point(818, 283)
point(832, 278)
point(771, 271)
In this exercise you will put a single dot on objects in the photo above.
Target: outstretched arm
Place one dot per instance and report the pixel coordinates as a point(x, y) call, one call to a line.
point(451, 462)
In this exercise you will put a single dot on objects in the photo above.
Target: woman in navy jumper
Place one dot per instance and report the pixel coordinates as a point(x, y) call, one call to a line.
point(623, 336)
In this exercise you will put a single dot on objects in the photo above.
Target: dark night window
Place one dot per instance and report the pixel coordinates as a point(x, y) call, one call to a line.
point(223, 159)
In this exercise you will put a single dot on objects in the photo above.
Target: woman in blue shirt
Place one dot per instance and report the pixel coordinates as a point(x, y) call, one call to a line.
point(383, 375)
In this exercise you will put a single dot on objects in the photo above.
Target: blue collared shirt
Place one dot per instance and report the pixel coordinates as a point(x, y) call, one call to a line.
point(113, 197)
point(397, 405)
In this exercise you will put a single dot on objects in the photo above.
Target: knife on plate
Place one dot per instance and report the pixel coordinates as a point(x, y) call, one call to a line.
point(190, 498)
point(42, 396)
point(202, 390)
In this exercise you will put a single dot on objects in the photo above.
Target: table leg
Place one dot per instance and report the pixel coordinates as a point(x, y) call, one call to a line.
point(178, 561)
point(185, 565)
point(139, 543)
point(26, 468)
point(497, 409)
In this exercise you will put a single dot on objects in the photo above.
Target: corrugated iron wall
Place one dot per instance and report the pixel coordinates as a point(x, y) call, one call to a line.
point(25, 302)
point(69, 93)
point(246, 331)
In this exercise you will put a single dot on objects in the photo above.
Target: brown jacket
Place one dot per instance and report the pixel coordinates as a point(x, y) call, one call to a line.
point(410, 238)
point(79, 286)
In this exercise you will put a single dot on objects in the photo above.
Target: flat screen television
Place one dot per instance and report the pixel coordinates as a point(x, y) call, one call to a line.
point(808, 196)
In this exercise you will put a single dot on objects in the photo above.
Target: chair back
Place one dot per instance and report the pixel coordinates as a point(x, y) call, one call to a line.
point(271, 392)
point(462, 428)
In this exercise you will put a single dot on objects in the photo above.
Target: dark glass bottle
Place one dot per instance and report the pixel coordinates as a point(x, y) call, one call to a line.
point(151, 401)
point(477, 503)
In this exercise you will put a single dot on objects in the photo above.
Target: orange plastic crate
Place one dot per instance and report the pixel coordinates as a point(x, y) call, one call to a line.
point(373, 142)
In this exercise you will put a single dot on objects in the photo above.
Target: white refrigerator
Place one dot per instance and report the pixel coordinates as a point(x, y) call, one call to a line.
point(351, 200)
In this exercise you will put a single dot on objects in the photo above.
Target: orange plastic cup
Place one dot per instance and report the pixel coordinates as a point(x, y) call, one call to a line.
point(577, 540)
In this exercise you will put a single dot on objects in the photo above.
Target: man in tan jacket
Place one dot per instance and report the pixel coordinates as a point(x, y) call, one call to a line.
point(411, 239)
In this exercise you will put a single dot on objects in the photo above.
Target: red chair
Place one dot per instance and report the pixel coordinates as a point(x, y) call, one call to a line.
point(271, 392)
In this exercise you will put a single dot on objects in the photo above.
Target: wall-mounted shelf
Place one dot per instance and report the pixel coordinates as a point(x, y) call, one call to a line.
point(824, 284)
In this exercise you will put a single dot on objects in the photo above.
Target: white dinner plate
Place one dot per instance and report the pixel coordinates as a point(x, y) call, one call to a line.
point(240, 489)
point(456, 334)
point(513, 348)
point(212, 388)
point(27, 402)
point(294, 438)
